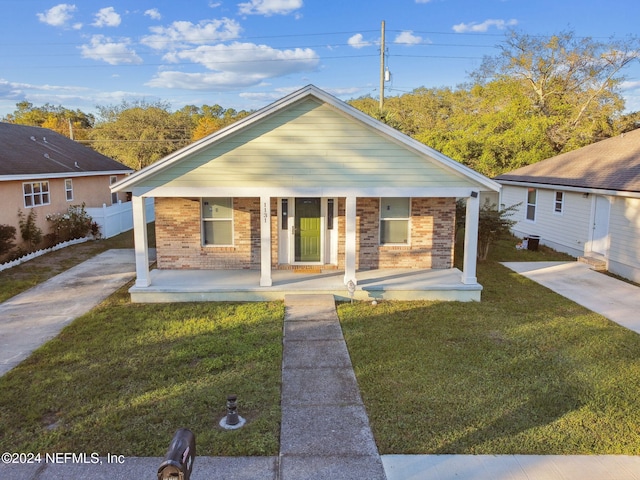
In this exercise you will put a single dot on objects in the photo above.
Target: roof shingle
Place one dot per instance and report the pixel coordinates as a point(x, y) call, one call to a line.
point(26, 150)
point(611, 164)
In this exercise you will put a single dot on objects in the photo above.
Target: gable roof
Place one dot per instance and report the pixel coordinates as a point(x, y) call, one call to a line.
point(612, 164)
point(34, 152)
point(295, 134)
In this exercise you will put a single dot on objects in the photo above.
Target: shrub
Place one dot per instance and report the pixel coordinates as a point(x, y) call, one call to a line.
point(493, 224)
point(29, 231)
point(75, 223)
point(7, 237)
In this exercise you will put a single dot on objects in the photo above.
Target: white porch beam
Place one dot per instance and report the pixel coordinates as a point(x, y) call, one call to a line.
point(471, 240)
point(265, 241)
point(350, 241)
point(141, 244)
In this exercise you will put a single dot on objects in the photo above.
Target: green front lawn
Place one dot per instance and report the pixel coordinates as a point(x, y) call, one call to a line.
point(123, 378)
point(524, 371)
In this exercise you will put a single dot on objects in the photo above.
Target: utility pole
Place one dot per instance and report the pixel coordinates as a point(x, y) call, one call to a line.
point(382, 68)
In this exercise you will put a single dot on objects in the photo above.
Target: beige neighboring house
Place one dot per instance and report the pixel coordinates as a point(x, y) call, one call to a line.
point(307, 184)
point(585, 202)
point(45, 172)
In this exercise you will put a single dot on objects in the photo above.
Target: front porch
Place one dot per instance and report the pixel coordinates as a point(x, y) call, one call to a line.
point(243, 285)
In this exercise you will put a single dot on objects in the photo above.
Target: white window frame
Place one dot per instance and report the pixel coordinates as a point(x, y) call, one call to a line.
point(558, 205)
point(531, 205)
point(36, 199)
point(407, 219)
point(68, 189)
point(224, 219)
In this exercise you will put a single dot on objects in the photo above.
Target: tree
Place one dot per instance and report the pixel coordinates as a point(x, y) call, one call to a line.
point(70, 123)
point(491, 128)
point(140, 133)
point(209, 119)
point(538, 97)
point(573, 81)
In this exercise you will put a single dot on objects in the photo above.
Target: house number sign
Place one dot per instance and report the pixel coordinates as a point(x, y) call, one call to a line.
point(265, 212)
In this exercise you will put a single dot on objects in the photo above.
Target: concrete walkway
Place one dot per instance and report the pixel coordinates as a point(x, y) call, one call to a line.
point(612, 298)
point(325, 431)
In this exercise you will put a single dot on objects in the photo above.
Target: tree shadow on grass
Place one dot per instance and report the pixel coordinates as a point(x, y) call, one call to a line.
point(541, 409)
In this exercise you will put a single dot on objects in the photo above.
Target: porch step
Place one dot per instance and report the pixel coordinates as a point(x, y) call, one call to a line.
point(597, 264)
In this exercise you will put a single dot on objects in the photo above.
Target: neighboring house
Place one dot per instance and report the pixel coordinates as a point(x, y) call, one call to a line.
point(44, 171)
point(307, 182)
point(585, 202)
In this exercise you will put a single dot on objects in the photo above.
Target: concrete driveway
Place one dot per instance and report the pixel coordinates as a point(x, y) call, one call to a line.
point(614, 299)
point(37, 315)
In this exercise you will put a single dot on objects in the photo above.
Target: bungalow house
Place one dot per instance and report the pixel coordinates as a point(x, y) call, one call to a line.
point(306, 185)
point(585, 202)
point(45, 172)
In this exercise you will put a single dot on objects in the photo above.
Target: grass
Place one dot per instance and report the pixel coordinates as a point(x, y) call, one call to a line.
point(524, 371)
point(124, 377)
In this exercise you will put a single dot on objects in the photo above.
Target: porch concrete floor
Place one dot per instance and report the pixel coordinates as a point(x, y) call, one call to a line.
point(244, 285)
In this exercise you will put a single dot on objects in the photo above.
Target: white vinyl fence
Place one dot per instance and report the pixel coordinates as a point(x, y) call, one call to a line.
point(117, 218)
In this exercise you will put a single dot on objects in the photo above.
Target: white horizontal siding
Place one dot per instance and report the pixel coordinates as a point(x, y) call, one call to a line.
point(308, 145)
point(567, 232)
point(624, 235)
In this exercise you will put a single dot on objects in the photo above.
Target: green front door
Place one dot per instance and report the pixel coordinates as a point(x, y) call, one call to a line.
point(307, 230)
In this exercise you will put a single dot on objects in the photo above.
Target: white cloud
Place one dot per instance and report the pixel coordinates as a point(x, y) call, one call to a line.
point(264, 97)
point(235, 65)
point(408, 38)
point(107, 17)
point(154, 13)
point(357, 41)
point(114, 53)
point(182, 33)
point(269, 7)
point(423, 1)
point(57, 16)
point(484, 26)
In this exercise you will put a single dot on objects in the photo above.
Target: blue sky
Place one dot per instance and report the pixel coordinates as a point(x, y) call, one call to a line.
point(243, 54)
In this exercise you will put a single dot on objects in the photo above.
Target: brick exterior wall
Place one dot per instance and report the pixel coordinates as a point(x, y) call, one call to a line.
point(179, 243)
point(432, 235)
point(179, 240)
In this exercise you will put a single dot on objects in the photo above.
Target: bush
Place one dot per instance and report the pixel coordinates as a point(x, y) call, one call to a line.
point(7, 237)
point(29, 231)
point(493, 224)
point(75, 223)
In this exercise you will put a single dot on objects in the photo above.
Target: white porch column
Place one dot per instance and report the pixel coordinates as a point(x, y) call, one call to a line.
point(265, 242)
point(350, 248)
point(471, 240)
point(140, 241)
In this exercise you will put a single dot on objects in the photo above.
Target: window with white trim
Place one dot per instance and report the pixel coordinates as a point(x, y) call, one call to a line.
point(558, 202)
point(36, 194)
point(394, 220)
point(532, 199)
point(68, 189)
point(217, 221)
